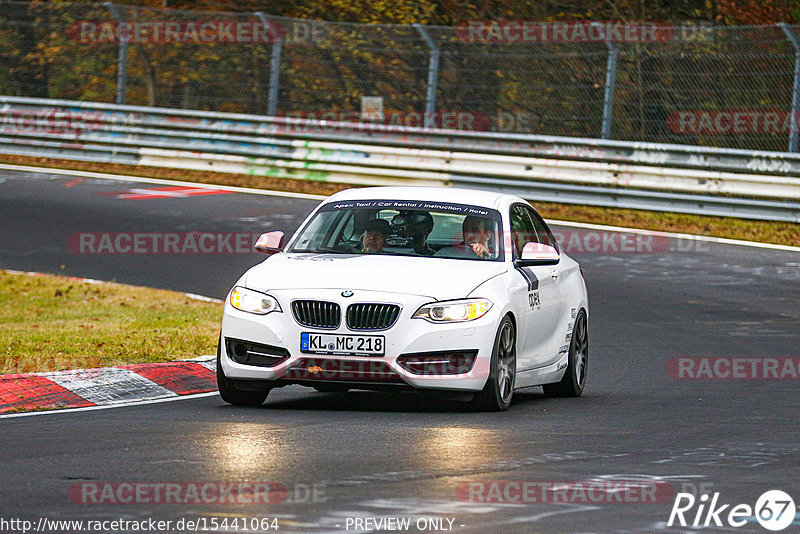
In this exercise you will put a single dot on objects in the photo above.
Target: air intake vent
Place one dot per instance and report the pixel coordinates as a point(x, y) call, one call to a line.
point(336, 370)
point(371, 316)
point(248, 353)
point(317, 313)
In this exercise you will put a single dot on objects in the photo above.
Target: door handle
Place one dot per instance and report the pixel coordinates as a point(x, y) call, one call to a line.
point(555, 273)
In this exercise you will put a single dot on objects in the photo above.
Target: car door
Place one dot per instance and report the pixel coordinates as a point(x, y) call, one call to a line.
point(536, 290)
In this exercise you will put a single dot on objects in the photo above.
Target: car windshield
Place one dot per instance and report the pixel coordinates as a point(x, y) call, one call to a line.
point(403, 228)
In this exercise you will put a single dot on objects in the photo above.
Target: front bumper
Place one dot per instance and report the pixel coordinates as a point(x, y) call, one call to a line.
point(281, 332)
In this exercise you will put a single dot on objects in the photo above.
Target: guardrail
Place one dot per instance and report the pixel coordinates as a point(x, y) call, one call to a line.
point(708, 181)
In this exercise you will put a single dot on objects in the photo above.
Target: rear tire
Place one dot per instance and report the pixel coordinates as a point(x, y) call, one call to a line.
point(229, 392)
point(574, 380)
point(496, 395)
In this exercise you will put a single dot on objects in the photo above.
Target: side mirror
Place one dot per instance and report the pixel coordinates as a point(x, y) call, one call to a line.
point(538, 254)
point(270, 243)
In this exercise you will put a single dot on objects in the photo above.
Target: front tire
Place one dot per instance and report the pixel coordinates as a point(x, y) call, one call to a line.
point(574, 379)
point(229, 392)
point(496, 395)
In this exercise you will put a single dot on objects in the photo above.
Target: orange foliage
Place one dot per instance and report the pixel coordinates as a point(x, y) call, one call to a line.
point(754, 12)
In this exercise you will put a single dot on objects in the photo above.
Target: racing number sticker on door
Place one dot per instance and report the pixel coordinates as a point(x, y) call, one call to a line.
point(534, 301)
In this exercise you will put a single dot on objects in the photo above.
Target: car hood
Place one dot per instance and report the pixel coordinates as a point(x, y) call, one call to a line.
point(437, 278)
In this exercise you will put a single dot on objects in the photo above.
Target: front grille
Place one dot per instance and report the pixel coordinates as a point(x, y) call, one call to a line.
point(317, 313)
point(372, 316)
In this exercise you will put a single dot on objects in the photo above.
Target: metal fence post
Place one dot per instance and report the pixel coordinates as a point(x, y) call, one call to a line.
point(793, 134)
point(608, 97)
point(611, 80)
point(274, 70)
point(122, 58)
point(433, 76)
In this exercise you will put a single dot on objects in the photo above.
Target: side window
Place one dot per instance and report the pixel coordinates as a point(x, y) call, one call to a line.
point(546, 237)
point(522, 229)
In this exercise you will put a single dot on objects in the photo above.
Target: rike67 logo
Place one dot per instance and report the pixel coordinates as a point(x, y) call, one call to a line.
point(774, 510)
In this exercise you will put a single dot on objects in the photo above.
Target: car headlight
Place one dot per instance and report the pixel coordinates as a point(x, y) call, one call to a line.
point(453, 311)
point(251, 301)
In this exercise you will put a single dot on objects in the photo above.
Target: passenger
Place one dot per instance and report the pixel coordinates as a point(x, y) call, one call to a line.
point(419, 225)
point(477, 232)
point(375, 234)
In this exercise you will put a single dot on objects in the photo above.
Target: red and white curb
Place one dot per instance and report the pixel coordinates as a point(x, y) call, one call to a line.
point(109, 386)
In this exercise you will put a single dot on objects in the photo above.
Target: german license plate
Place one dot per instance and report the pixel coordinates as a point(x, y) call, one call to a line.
point(342, 344)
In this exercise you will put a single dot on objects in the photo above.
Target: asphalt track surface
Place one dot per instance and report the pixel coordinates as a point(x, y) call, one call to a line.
point(372, 455)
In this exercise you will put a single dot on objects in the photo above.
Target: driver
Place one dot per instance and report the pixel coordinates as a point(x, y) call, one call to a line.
point(375, 234)
point(419, 225)
point(477, 232)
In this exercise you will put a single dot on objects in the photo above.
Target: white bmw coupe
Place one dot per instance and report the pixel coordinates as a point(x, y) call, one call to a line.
point(391, 288)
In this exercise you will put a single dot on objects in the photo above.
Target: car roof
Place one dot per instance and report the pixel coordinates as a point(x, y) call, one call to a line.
point(474, 197)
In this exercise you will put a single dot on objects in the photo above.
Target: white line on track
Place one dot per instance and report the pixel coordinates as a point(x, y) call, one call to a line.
point(267, 192)
point(710, 239)
point(109, 406)
point(193, 296)
point(144, 180)
point(203, 298)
